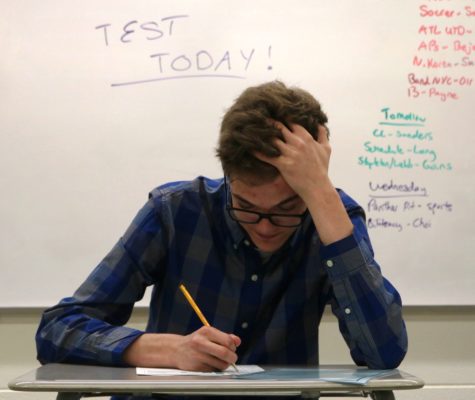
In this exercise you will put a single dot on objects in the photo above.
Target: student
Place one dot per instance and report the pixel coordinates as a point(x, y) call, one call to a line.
point(262, 251)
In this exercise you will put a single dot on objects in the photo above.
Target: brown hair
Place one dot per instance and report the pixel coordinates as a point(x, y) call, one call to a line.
point(247, 127)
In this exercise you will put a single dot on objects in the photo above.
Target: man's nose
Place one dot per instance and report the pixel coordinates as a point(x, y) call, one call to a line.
point(264, 225)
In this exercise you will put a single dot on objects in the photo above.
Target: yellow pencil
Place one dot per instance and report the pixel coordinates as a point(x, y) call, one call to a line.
point(197, 310)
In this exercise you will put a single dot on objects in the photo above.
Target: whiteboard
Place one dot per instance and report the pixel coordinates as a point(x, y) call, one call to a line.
point(101, 101)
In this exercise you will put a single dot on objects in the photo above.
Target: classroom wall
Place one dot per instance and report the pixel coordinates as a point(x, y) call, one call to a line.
point(64, 101)
point(92, 118)
point(441, 351)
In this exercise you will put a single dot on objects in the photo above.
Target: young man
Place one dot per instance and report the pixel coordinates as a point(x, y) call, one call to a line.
point(262, 252)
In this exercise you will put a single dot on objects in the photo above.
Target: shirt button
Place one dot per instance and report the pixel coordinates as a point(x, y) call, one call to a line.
point(347, 311)
point(329, 263)
point(247, 243)
point(254, 278)
point(235, 246)
point(244, 325)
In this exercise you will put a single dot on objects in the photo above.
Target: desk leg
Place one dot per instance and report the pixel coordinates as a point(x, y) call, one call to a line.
point(382, 395)
point(68, 396)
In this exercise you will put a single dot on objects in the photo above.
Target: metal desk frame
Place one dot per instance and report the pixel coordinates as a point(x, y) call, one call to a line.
point(73, 382)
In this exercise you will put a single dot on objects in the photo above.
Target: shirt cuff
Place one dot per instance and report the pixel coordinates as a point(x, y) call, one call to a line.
point(345, 256)
point(113, 348)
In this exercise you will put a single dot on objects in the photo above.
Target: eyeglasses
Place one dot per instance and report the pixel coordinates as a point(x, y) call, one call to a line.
point(254, 217)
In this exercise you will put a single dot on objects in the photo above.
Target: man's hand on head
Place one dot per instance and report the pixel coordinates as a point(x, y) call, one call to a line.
point(303, 161)
point(303, 164)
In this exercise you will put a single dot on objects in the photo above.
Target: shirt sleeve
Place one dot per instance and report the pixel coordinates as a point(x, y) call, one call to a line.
point(367, 306)
point(88, 327)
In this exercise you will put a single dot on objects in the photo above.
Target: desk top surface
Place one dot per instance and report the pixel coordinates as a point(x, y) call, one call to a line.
point(88, 379)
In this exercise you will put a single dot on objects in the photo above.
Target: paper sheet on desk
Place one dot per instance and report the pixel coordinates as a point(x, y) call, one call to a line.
point(350, 376)
point(242, 370)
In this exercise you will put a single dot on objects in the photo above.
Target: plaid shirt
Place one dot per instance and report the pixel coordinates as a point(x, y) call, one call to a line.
point(184, 235)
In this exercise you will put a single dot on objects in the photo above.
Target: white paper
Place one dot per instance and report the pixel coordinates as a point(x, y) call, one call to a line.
point(242, 370)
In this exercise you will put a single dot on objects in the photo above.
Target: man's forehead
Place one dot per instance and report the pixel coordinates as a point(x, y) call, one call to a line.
point(277, 203)
point(251, 180)
point(271, 193)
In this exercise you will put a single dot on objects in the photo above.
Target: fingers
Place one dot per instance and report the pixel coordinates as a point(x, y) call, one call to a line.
point(223, 344)
point(214, 349)
point(295, 135)
point(269, 160)
point(266, 159)
point(322, 135)
point(291, 131)
point(303, 160)
point(236, 339)
point(295, 140)
point(290, 146)
point(219, 337)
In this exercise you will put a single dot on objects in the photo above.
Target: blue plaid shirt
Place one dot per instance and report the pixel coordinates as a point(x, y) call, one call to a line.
point(184, 235)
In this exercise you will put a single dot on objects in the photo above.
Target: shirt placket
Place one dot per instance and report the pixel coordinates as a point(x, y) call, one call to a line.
point(251, 293)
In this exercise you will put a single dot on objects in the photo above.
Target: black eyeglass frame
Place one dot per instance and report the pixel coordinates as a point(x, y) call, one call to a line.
point(260, 216)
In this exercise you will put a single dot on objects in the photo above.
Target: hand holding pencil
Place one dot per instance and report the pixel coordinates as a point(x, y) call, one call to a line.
point(235, 341)
point(207, 349)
